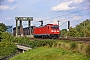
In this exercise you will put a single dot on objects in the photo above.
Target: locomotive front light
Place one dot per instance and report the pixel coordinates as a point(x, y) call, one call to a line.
point(52, 30)
point(57, 31)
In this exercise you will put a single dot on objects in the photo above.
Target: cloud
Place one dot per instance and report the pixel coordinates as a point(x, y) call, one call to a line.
point(77, 1)
point(11, 0)
point(8, 19)
point(12, 8)
point(66, 5)
point(4, 7)
point(9, 4)
point(63, 6)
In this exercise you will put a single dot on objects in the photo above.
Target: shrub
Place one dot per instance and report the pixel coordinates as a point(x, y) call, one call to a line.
point(38, 43)
point(33, 43)
point(73, 45)
point(22, 40)
point(7, 48)
point(7, 36)
point(88, 49)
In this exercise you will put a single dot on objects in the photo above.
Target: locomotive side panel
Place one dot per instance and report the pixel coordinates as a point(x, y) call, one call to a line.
point(47, 31)
point(40, 32)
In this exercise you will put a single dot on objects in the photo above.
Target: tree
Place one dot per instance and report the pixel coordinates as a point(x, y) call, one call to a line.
point(63, 32)
point(84, 28)
point(3, 27)
point(81, 30)
point(73, 32)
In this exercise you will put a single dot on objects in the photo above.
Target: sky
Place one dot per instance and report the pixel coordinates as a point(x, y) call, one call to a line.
point(50, 11)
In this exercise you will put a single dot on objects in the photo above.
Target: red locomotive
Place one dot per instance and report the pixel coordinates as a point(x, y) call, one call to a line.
point(47, 31)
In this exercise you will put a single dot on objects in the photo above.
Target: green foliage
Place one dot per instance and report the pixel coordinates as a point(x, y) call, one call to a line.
point(73, 32)
point(44, 53)
point(88, 50)
point(63, 32)
point(3, 27)
point(0, 35)
point(33, 43)
point(73, 45)
point(22, 40)
point(37, 43)
point(81, 30)
point(7, 48)
point(6, 36)
point(84, 28)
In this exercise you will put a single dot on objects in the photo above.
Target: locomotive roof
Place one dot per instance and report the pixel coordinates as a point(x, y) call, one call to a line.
point(46, 25)
point(51, 24)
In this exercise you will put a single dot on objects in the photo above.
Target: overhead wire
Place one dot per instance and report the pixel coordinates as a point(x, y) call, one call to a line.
point(72, 17)
point(79, 3)
point(71, 12)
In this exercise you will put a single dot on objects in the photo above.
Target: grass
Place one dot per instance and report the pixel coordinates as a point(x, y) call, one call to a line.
point(46, 53)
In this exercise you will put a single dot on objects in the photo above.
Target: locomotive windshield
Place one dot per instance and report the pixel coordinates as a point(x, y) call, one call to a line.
point(55, 27)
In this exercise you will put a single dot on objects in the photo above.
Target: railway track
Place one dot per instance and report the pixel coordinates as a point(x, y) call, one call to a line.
point(71, 39)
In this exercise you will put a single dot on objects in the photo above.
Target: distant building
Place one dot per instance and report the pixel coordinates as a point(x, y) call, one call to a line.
point(26, 30)
point(14, 31)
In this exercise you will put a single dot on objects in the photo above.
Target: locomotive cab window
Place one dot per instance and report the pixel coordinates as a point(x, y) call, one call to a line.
point(55, 27)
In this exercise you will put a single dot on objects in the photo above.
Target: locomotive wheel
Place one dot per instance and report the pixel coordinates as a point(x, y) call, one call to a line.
point(42, 37)
point(50, 37)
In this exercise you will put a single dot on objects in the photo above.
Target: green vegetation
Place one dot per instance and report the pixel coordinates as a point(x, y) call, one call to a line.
point(73, 45)
point(63, 33)
point(33, 43)
point(45, 53)
point(48, 49)
point(68, 45)
point(7, 36)
point(81, 30)
point(7, 48)
point(88, 50)
point(3, 27)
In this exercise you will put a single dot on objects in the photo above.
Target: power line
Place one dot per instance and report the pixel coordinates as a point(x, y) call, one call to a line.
point(71, 6)
point(74, 12)
point(72, 17)
point(80, 3)
point(63, 23)
point(69, 13)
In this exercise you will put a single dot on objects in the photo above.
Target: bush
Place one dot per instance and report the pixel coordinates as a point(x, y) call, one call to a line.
point(7, 48)
point(6, 36)
point(73, 45)
point(38, 43)
point(22, 40)
point(88, 49)
point(33, 43)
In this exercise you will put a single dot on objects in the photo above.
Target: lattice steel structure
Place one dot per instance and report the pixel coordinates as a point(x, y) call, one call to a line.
point(29, 19)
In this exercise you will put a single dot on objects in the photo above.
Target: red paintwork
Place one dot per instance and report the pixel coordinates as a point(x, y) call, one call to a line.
point(46, 30)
